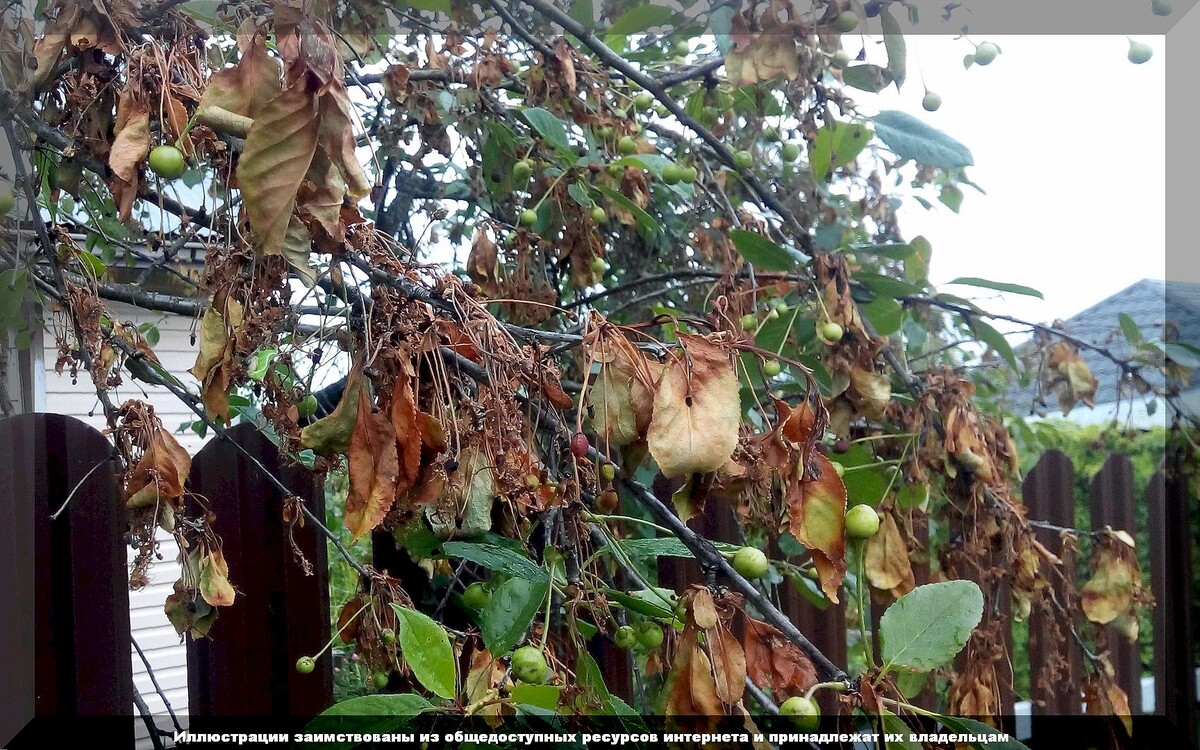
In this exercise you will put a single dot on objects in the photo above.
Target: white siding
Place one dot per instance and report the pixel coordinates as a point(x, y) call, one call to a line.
point(149, 624)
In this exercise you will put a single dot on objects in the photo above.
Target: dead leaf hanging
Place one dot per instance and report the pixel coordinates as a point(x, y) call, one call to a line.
point(697, 411)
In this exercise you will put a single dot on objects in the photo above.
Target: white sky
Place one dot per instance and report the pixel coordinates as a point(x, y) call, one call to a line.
point(1069, 140)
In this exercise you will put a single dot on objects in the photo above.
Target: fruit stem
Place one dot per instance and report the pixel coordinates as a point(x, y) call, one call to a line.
point(861, 586)
point(836, 685)
point(642, 521)
point(537, 206)
point(339, 632)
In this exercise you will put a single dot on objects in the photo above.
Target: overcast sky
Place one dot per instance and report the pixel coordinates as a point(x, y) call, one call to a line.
point(1069, 140)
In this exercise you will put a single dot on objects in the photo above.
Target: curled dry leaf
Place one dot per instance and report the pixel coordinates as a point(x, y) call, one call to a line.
point(373, 470)
point(278, 152)
point(1105, 698)
point(214, 363)
point(888, 566)
point(245, 88)
point(214, 580)
point(622, 398)
point(160, 473)
point(464, 510)
point(697, 412)
point(816, 511)
point(1114, 592)
point(775, 662)
point(330, 435)
point(484, 676)
point(408, 435)
point(1068, 374)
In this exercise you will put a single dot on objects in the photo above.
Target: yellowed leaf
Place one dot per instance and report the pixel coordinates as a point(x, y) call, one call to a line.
point(214, 580)
point(888, 566)
point(373, 470)
point(160, 473)
point(278, 152)
point(697, 412)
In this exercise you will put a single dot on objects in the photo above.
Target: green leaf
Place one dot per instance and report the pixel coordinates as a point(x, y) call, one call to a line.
point(380, 713)
point(912, 139)
point(762, 252)
point(496, 558)
point(663, 546)
point(579, 194)
point(538, 696)
point(867, 77)
point(513, 606)
point(397, 704)
point(886, 286)
point(645, 222)
point(993, 338)
point(1182, 354)
point(499, 154)
point(837, 144)
point(885, 314)
point(436, 6)
point(581, 11)
point(1133, 334)
point(550, 127)
point(640, 18)
point(263, 359)
point(649, 604)
point(893, 41)
point(893, 724)
point(951, 197)
point(151, 333)
point(999, 286)
point(426, 648)
point(925, 628)
point(895, 251)
point(963, 725)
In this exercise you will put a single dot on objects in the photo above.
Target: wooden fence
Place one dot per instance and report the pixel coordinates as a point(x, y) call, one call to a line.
point(67, 640)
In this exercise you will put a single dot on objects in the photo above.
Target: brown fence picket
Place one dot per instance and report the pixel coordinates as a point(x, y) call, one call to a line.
point(1112, 505)
point(1049, 493)
point(280, 614)
point(1171, 581)
point(64, 637)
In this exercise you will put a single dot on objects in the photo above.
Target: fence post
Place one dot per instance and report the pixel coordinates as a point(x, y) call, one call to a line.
point(247, 667)
point(1112, 505)
point(1171, 580)
point(64, 637)
point(1049, 493)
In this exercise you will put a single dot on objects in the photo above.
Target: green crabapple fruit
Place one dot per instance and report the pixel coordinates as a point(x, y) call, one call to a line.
point(985, 53)
point(379, 679)
point(529, 665)
point(804, 712)
point(1139, 52)
point(6, 199)
point(847, 21)
point(388, 636)
point(832, 332)
point(750, 563)
point(627, 145)
point(688, 174)
point(643, 100)
point(608, 472)
point(305, 664)
point(650, 635)
point(307, 406)
point(597, 266)
point(167, 162)
point(841, 59)
point(771, 368)
point(529, 217)
point(599, 215)
point(932, 101)
point(789, 152)
point(476, 596)
point(743, 160)
point(626, 637)
point(861, 522)
point(672, 174)
point(749, 322)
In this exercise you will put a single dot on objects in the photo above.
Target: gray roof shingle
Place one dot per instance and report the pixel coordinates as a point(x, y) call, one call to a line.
point(1152, 304)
